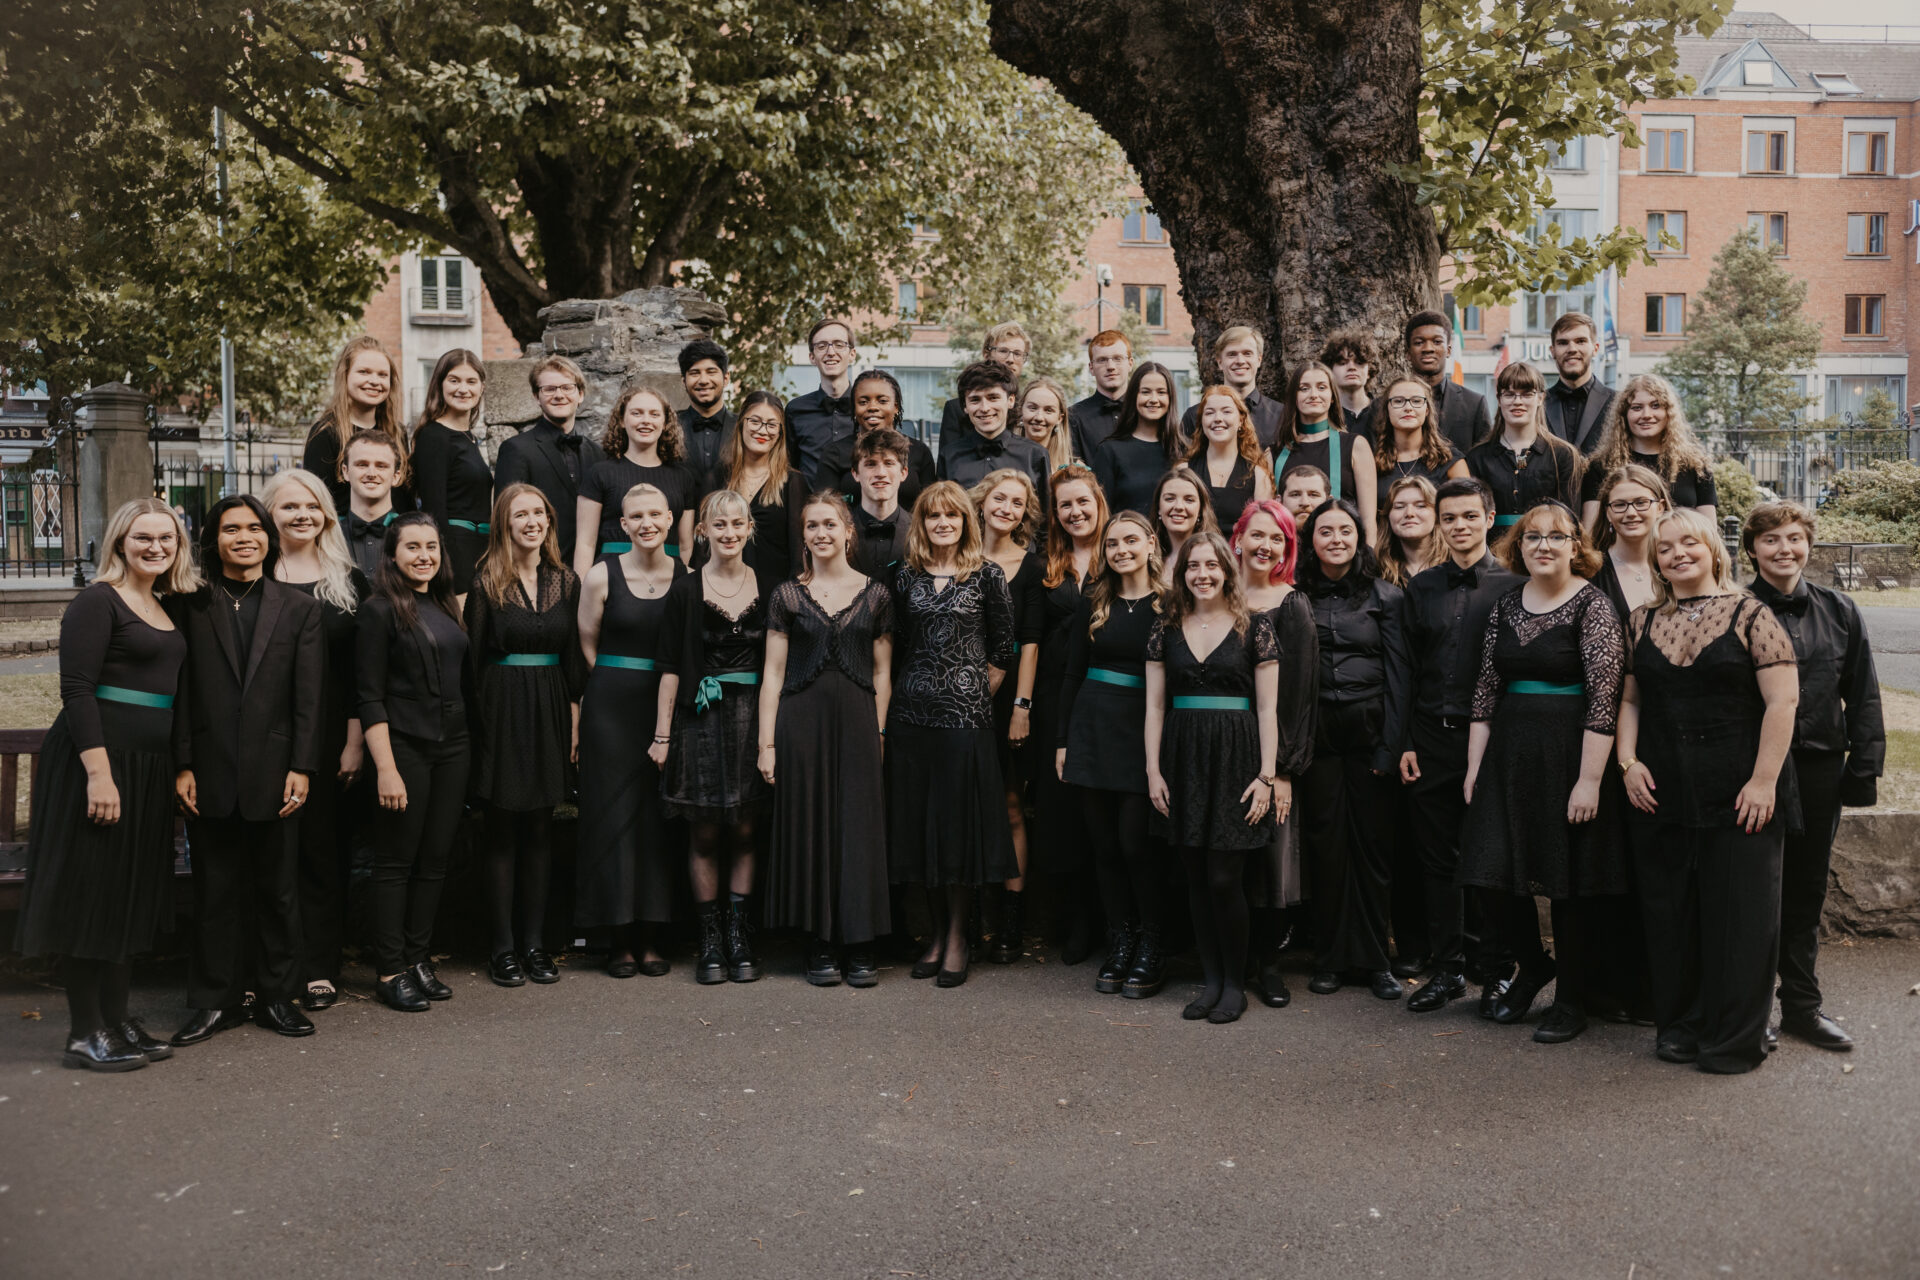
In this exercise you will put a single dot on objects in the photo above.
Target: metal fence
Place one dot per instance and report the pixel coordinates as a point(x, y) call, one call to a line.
point(193, 487)
point(1802, 465)
point(40, 529)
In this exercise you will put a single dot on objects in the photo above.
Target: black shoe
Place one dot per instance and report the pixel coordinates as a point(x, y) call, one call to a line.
point(1491, 994)
point(1197, 1010)
point(1007, 939)
point(741, 964)
point(953, 977)
point(540, 966)
point(928, 968)
point(505, 970)
point(314, 1001)
point(1324, 983)
point(283, 1017)
point(862, 969)
point(1148, 973)
point(1522, 992)
point(1441, 988)
point(1113, 973)
point(429, 982)
point(1228, 1010)
point(710, 966)
point(1676, 1050)
point(207, 1024)
point(1270, 984)
point(134, 1032)
point(656, 968)
point(1817, 1029)
point(1385, 985)
point(402, 993)
point(1078, 944)
point(1409, 966)
point(1561, 1023)
point(823, 966)
point(102, 1050)
point(623, 968)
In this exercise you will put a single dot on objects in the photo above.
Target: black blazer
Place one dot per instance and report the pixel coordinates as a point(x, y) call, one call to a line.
point(1586, 434)
point(244, 721)
point(400, 676)
point(534, 457)
point(1464, 417)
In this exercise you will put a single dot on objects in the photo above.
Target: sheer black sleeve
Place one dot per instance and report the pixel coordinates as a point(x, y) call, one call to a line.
point(1604, 652)
point(1486, 686)
point(1299, 694)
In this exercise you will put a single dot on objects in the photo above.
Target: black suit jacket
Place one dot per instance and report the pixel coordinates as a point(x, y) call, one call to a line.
point(399, 676)
point(534, 457)
point(1464, 417)
point(244, 721)
point(1586, 434)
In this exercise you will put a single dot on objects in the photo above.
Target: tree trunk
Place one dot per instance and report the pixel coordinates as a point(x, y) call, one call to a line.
point(1260, 130)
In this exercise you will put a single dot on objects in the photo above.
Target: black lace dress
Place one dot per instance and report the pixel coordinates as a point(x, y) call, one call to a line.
point(713, 771)
point(947, 804)
point(626, 864)
point(1210, 739)
point(527, 673)
point(1276, 879)
point(827, 872)
point(1546, 680)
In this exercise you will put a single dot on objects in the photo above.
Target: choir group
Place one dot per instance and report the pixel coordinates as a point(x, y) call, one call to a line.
point(1365, 667)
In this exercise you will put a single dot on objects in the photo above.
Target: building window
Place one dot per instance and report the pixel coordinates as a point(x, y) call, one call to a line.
point(1141, 225)
point(1667, 222)
point(909, 297)
point(1866, 315)
point(1148, 301)
point(1835, 84)
point(443, 284)
point(1766, 151)
point(1470, 319)
point(1867, 235)
point(1772, 229)
point(1847, 394)
point(1666, 151)
point(1867, 154)
point(1571, 154)
point(1666, 314)
point(1758, 72)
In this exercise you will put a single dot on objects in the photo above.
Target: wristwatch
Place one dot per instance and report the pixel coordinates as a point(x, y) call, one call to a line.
point(1023, 704)
point(1626, 766)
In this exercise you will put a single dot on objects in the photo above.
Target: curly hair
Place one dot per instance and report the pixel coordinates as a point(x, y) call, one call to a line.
point(672, 444)
point(1680, 449)
point(1029, 521)
point(1586, 561)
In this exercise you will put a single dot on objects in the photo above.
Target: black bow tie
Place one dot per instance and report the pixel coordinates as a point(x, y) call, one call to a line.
point(358, 528)
point(1458, 577)
point(844, 405)
point(992, 448)
point(1795, 604)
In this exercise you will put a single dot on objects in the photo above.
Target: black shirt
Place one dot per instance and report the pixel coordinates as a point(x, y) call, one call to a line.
point(450, 475)
point(978, 457)
point(367, 540)
point(569, 442)
point(243, 608)
point(1092, 422)
point(1689, 488)
point(1446, 623)
point(822, 429)
point(608, 481)
point(880, 546)
point(1129, 470)
point(1839, 692)
point(1566, 412)
point(703, 437)
point(1549, 468)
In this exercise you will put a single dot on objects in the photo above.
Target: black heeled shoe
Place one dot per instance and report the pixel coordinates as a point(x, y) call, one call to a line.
point(429, 982)
point(505, 970)
point(134, 1032)
point(102, 1050)
point(924, 968)
point(540, 967)
point(953, 977)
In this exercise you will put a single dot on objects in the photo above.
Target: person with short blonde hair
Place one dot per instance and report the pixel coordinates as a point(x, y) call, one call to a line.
point(1237, 354)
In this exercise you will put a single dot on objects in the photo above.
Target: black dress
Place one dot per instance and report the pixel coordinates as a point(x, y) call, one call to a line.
point(1436, 476)
point(1103, 719)
point(607, 481)
point(455, 487)
point(777, 550)
point(1276, 880)
point(1230, 499)
point(626, 867)
point(1319, 453)
point(1057, 833)
point(1546, 680)
point(947, 806)
point(1129, 470)
point(713, 769)
point(1017, 764)
point(101, 892)
point(527, 673)
point(1688, 488)
point(1210, 751)
point(827, 872)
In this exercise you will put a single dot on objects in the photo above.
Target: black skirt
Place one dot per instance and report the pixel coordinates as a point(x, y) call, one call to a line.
point(627, 862)
point(1016, 763)
point(1107, 741)
point(523, 734)
point(947, 817)
point(464, 549)
point(713, 771)
point(1208, 758)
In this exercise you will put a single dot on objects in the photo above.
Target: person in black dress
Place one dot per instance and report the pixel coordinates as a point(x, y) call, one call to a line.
point(1145, 442)
point(100, 850)
point(643, 446)
point(1266, 544)
point(1009, 510)
point(450, 476)
point(625, 871)
point(1226, 454)
point(313, 560)
point(1706, 724)
point(947, 808)
point(755, 463)
point(712, 647)
point(1076, 521)
point(1345, 801)
point(1309, 438)
point(1520, 461)
point(362, 398)
point(1646, 426)
point(410, 668)
point(1407, 440)
point(823, 708)
point(1211, 741)
point(1409, 544)
point(523, 650)
point(1100, 750)
point(1539, 818)
point(1630, 500)
point(1839, 745)
point(877, 401)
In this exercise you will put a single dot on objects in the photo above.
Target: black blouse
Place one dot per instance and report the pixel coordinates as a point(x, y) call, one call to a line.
point(1296, 709)
point(1580, 642)
point(1549, 468)
point(413, 678)
point(1230, 499)
point(450, 475)
point(951, 638)
point(608, 480)
point(817, 639)
point(1129, 469)
point(1689, 488)
point(340, 630)
point(103, 642)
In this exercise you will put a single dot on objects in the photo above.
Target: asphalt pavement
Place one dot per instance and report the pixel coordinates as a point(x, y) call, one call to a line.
point(1020, 1125)
point(1895, 635)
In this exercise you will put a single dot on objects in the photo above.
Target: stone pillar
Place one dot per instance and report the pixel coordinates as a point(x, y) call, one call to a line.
point(116, 458)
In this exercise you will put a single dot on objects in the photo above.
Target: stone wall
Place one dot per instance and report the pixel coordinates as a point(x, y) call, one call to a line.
point(1873, 889)
point(634, 339)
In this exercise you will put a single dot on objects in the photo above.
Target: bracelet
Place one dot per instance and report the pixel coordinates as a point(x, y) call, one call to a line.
point(659, 741)
point(1626, 766)
point(766, 746)
point(1023, 704)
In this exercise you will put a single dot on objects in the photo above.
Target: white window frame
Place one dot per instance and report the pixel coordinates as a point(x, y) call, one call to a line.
point(1750, 125)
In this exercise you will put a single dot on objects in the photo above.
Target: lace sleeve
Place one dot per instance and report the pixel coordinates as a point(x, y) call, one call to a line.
point(1157, 642)
point(1603, 650)
point(1767, 641)
point(780, 608)
point(1261, 641)
point(881, 602)
point(1486, 686)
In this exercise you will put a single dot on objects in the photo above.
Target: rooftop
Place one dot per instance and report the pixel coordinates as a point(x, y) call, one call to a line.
point(1762, 54)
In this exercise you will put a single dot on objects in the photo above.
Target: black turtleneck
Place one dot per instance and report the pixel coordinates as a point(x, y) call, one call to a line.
point(243, 607)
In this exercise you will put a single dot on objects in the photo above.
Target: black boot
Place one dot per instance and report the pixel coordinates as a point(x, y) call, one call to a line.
point(1113, 974)
point(1077, 944)
point(1149, 970)
point(741, 965)
point(1006, 939)
point(709, 966)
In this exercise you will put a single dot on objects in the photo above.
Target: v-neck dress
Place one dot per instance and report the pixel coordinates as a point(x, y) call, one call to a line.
point(1210, 738)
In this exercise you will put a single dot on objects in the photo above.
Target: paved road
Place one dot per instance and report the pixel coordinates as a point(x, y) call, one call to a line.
point(1018, 1126)
point(1895, 633)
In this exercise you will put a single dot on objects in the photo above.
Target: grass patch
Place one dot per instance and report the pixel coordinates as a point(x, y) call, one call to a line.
point(29, 701)
point(1898, 598)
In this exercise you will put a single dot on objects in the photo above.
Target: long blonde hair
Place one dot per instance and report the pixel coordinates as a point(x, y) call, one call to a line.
point(1702, 528)
point(1059, 445)
point(1680, 449)
point(335, 586)
point(181, 578)
point(496, 574)
point(337, 417)
point(1029, 523)
point(947, 498)
point(1103, 583)
point(1394, 566)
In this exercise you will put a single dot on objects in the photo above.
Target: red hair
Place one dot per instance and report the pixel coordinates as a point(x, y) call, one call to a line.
point(1282, 572)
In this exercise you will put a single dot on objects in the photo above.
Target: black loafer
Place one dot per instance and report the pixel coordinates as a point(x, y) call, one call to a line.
point(1270, 989)
point(1490, 995)
point(102, 1050)
point(1324, 983)
point(505, 969)
point(283, 1017)
point(823, 967)
point(1385, 985)
point(862, 969)
point(1441, 989)
point(1409, 966)
point(1521, 993)
point(314, 1001)
point(627, 968)
point(540, 967)
point(1561, 1023)
point(207, 1024)
point(656, 968)
point(134, 1032)
point(402, 993)
point(1818, 1030)
point(429, 982)
point(1684, 1052)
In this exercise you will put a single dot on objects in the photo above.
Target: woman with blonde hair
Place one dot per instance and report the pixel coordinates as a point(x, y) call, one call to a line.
point(362, 398)
point(1226, 453)
point(1648, 427)
point(100, 851)
point(644, 445)
point(1041, 416)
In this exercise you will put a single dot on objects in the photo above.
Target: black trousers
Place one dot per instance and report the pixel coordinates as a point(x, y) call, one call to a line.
point(246, 907)
point(1712, 904)
point(1437, 813)
point(1803, 878)
point(411, 848)
point(1345, 833)
point(327, 824)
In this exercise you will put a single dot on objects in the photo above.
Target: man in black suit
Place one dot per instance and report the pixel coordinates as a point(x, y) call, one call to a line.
point(706, 419)
point(1237, 354)
point(988, 389)
point(1578, 405)
point(1007, 345)
point(1093, 420)
point(246, 738)
point(547, 454)
point(1463, 414)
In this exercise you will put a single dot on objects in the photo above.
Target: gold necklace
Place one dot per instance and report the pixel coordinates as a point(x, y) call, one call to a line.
point(713, 580)
point(234, 600)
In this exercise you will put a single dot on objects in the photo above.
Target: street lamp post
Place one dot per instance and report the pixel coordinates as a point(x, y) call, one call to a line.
point(1102, 277)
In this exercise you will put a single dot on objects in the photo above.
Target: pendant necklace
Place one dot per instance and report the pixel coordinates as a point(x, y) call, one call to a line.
point(235, 600)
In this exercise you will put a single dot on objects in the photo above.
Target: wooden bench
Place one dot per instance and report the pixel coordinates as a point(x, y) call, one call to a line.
point(16, 803)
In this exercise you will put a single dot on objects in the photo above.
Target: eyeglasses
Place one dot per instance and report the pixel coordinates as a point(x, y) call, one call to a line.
point(1620, 506)
point(558, 389)
point(1407, 402)
point(833, 345)
point(1517, 395)
point(1556, 540)
point(1008, 353)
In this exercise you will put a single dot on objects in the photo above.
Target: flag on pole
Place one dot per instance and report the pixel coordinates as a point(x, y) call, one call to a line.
point(1459, 350)
point(1506, 355)
point(1609, 336)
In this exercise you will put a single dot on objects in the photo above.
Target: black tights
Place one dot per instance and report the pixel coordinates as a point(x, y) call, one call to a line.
point(1123, 862)
point(519, 849)
point(711, 842)
point(948, 909)
point(96, 993)
point(1217, 896)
